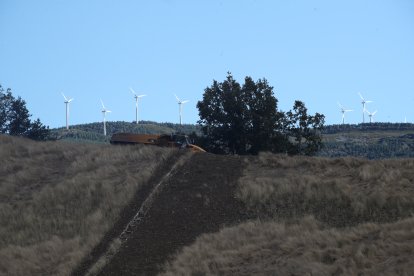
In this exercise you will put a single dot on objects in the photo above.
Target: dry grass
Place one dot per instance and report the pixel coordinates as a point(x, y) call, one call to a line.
point(57, 199)
point(316, 216)
point(340, 192)
point(302, 248)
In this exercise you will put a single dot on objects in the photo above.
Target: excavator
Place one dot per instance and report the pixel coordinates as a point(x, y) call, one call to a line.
point(177, 140)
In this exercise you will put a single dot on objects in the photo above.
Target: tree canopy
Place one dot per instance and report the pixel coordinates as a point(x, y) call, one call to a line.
point(15, 118)
point(245, 119)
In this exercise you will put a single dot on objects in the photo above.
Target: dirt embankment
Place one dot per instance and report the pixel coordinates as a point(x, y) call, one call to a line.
point(196, 198)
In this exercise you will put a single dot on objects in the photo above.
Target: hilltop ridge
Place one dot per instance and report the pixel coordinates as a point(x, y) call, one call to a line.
point(372, 141)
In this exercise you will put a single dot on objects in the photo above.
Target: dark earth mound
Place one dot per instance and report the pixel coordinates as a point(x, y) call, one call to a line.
point(197, 198)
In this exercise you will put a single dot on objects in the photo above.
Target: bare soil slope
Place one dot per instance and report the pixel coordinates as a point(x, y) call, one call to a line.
point(198, 198)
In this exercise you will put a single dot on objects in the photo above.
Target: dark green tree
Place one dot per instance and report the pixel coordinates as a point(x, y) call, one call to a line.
point(19, 118)
point(306, 129)
point(38, 131)
point(15, 118)
point(6, 100)
point(244, 119)
point(238, 119)
point(264, 120)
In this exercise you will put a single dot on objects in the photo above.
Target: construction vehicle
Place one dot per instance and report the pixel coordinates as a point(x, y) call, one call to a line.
point(180, 141)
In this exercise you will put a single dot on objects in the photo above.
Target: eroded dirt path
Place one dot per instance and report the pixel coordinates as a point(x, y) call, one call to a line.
point(127, 214)
point(198, 198)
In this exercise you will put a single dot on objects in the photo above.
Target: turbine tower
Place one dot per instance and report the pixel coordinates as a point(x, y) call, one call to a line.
point(104, 111)
point(363, 101)
point(67, 102)
point(180, 103)
point(371, 115)
point(136, 103)
point(343, 111)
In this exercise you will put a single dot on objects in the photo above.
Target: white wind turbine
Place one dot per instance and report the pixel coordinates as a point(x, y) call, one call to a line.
point(67, 102)
point(180, 103)
point(371, 115)
point(363, 107)
point(343, 111)
point(136, 103)
point(104, 111)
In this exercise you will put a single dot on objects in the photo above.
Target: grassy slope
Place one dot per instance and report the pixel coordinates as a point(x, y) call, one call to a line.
point(303, 248)
point(317, 215)
point(372, 143)
point(58, 199)
point(322, 215)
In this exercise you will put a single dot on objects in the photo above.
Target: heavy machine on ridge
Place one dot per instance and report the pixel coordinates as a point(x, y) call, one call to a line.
point(177, 140)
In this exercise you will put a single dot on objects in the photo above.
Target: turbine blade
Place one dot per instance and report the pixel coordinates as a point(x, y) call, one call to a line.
point(183, 102)
point(140, 96)
point(132, 91)
point(368, 101)
point(362, 98)
point(177, 98)
point(64, 96)
point(70, 100)
point(374, 112)
point(103, 106)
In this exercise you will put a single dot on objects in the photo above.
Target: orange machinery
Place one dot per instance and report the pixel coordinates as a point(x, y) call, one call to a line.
point(163, 140)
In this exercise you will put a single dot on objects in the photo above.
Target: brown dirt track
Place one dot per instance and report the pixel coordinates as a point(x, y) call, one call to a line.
point(197, 198)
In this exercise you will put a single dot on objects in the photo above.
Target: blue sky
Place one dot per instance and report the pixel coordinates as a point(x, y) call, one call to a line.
point(320, 52)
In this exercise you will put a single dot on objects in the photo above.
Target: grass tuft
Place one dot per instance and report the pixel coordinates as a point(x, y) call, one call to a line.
point(59, 198)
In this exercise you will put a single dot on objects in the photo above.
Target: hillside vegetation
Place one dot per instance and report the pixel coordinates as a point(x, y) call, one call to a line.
point(340, 192)
point(302, 248)
point(372, 141)
point(59, 198)
point(313, 215)
point(65, 208)
point(93, 132)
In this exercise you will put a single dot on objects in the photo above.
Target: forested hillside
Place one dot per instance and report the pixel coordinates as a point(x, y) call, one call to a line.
point(93, 132)
point(372, 141)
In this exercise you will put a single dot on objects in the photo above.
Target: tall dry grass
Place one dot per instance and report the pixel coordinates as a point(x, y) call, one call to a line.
point(315, 216)
point(57, 199)
point(302, 248)
point(340, 192)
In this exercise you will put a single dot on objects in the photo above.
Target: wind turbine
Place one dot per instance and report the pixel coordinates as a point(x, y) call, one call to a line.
point(363, 107)
point(104, 111)
point(136, 103)
point(180, 103)
point(343, 111)
point(371, 115)
point(67, 102)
